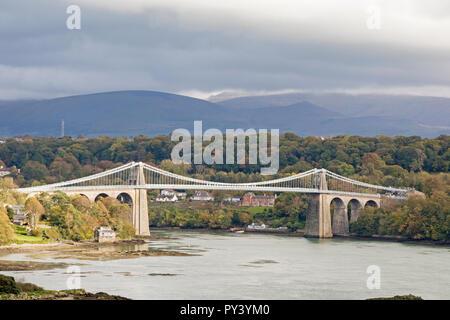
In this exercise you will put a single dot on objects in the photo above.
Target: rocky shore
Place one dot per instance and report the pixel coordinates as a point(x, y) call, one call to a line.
point(8, 265)
point(404, 297)
point(10, 289)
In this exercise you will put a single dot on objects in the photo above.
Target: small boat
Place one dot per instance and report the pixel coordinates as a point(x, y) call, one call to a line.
point(239, 231)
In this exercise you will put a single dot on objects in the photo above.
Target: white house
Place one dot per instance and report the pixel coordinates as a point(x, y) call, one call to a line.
point(105, 234)
point(169, 192)
point(202, 196)
point(165, 198)
point(235, 200)
point(255, 226)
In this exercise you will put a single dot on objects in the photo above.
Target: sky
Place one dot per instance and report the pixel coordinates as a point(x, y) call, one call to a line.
point(206, 47)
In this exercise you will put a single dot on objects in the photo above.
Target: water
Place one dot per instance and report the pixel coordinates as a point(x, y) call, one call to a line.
point(260, 266)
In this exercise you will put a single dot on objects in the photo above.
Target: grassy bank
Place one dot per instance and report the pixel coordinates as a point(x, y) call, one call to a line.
point(22, 237)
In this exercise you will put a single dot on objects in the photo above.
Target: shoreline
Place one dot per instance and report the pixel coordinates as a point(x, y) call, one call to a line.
point(85, 250)
point(63, 244)
point(301, 233)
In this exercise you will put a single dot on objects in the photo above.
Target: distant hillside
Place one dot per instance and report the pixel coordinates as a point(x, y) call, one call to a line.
point(422, 111)
point(131, 113)
point(123, 113)
point(303, 118)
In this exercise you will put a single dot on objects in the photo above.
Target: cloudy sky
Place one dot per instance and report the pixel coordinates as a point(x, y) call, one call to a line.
point(204, 47)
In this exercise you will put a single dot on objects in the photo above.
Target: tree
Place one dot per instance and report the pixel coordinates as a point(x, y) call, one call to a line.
point(7, 194)
point(7, 234)
point(410, 158)
point(368, 222)
point(11, 213)
point(61, 169)
point(291, 205)
point(34, 171)
point(82, 203)
point(8, 285)
point(35, 210)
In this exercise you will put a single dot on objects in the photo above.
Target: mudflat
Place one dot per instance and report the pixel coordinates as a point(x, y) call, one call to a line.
point(86, 250)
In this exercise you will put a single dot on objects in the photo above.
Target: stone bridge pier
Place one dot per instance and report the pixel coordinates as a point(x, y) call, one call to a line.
point(331, 213)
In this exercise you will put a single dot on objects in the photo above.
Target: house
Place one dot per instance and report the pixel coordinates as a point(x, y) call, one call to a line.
point(263, 227)
point(105, 234)
point(233, 200)
point(18, 208)
point(255, 226)
point(202, 196)
point(252, 200)
point(20, 219)
point(19, 213)
point(166, 197)
point(181, 195)
point(169, 192)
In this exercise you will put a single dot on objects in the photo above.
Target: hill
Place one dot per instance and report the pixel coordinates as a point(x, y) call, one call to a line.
point(131, 113)
point(122, 113)
point(421, 115)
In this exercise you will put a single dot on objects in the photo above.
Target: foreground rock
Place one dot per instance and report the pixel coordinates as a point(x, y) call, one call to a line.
point(61, 295)
point(404, 297)
point(12, 290)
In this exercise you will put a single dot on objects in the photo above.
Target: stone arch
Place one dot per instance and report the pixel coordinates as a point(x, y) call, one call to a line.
point(32, 194)
point(371, 203)
point(101, 195)
point(339, 218)
point(125, 197)
point(83, 195)
point(354, 208)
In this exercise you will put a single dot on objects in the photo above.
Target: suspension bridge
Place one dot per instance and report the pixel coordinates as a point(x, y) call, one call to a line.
point(129, 183)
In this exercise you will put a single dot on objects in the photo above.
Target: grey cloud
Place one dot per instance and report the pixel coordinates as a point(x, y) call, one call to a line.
point(153, 49)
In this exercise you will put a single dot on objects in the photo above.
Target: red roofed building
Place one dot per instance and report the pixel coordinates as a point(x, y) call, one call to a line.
point(251, 200)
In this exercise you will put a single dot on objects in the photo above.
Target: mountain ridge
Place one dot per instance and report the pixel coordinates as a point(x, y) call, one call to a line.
point(135, 112)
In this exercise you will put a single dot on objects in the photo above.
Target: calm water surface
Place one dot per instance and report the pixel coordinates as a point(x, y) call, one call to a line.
point(260, 266)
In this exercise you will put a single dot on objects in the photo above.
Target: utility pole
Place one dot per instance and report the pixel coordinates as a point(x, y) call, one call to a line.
point(62, 128)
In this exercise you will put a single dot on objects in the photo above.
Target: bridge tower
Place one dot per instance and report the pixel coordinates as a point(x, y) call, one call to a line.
point(318, 219)
point(140, 205)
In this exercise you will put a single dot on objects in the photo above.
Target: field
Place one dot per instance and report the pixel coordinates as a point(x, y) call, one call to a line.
point(23, 237)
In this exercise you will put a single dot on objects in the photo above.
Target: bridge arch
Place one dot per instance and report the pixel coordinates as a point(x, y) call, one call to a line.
point(126, 198)
point(371, 203)
point(339, 218)
point(101, 195)
point(354, 208)
point(84, 196)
